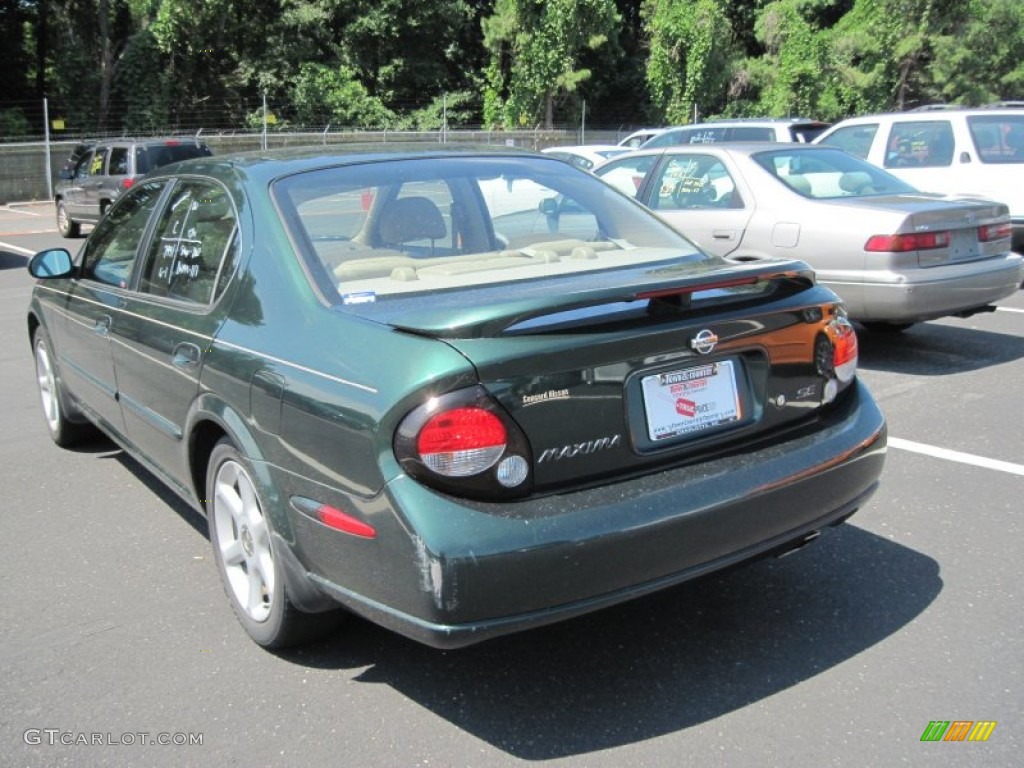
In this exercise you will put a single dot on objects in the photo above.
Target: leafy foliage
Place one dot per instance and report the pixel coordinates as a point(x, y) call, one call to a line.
point(160, 65)
point(691, 46)
point(535, 48)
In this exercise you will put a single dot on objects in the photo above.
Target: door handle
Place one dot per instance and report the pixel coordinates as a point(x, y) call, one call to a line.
point(723, 234)
point(186, 355)
point(102, 325)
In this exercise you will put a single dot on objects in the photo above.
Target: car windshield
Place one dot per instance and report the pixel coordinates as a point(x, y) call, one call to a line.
point(829, 174)
point(420, 226)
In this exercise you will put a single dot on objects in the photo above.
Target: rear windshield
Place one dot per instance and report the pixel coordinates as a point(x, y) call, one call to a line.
point(828, 174)
point(153, 156)
point(998, 138)
point(427, 225)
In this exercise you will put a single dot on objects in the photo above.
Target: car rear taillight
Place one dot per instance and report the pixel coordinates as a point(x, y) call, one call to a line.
point(465, 443)
point(916, 241)
point(990, 232)
point(127, 183)
point(461, 442)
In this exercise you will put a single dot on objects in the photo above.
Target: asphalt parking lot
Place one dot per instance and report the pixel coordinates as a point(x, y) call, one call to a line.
point(115, 636)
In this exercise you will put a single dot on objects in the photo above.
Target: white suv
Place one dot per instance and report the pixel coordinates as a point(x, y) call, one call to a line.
point(968, 152)
point(741, 129)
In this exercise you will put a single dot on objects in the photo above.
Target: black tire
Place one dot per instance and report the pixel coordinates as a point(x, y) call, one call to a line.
point(67, 226)
point(63, 431)
point(881, 327)
point(245, 553)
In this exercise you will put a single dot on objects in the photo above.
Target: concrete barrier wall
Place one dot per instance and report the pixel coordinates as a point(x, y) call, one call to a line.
point(23, 166)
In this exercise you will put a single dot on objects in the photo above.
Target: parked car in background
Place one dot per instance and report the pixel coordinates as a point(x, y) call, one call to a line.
point(896, 256)
point(106, 169)
point(753, 129)
point(586, 156)
point(385, 395)
point(638, 137)
point(969, 152)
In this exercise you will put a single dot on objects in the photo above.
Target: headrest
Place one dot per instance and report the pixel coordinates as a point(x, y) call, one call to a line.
point(411, 218)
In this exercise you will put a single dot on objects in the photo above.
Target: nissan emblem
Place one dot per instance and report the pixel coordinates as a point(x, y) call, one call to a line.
point(704, 342)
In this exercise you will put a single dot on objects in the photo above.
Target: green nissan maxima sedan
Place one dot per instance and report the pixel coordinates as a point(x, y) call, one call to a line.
point(460, 392)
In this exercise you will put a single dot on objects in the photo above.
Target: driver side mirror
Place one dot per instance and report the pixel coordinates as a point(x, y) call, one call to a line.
point(51, 264)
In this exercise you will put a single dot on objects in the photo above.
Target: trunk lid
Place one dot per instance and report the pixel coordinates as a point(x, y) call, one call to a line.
point(961, 218)
point(661, 368)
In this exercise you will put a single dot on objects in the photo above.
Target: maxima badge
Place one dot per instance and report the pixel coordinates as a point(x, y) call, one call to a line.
point(704, 342)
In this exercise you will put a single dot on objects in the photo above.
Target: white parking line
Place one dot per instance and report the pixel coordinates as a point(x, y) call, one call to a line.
point(963, 458)
point(1008, 309)
point(16, 249)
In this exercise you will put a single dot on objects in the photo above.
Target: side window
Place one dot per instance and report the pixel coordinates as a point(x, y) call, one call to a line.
point(110, 252)
point(695, 182)
point(118, 161)
point(704, 136)
point(99, 161)
point(627, 175)
point(194, 245)
point(924, 144)
point(855, 139)
point(998, 138)
point(83, 166)
point(750, 133)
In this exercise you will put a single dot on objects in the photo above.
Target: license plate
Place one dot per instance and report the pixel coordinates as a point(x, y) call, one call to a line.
point(963, 245)
point(691, 400)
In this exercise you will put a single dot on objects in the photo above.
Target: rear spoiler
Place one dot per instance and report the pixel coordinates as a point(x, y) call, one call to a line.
point(667, 284)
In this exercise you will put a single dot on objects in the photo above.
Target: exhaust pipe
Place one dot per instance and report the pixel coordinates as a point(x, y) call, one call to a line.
point(797, 544)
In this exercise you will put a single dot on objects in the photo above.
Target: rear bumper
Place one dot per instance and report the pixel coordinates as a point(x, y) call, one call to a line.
point(929, 293)
point(450, 573)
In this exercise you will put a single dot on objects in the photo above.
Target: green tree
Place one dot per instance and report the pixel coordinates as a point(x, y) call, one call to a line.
point(691, 46)
point(325, 95)
point(981, 57)
point(535, 49)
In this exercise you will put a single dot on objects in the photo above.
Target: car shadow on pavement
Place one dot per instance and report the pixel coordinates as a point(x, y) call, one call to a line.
point(651, 667)
point(932, 349)
point(660, 664)
point(11, 260)
point(156, 486)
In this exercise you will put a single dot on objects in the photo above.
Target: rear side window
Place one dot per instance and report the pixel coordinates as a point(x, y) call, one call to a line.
point(694, 182)
point(924, 144)
point(998, 139)
point(99, 161)
point(855, 139)
point(119, 161)
point(194, 245)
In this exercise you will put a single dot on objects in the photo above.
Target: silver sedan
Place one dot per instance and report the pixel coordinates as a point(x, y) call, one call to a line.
point(895, 255)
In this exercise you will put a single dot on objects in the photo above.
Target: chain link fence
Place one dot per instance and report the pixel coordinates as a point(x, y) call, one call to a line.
point(24, 167)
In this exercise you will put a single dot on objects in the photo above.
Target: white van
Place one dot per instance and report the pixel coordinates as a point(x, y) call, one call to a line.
point(969, 152)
